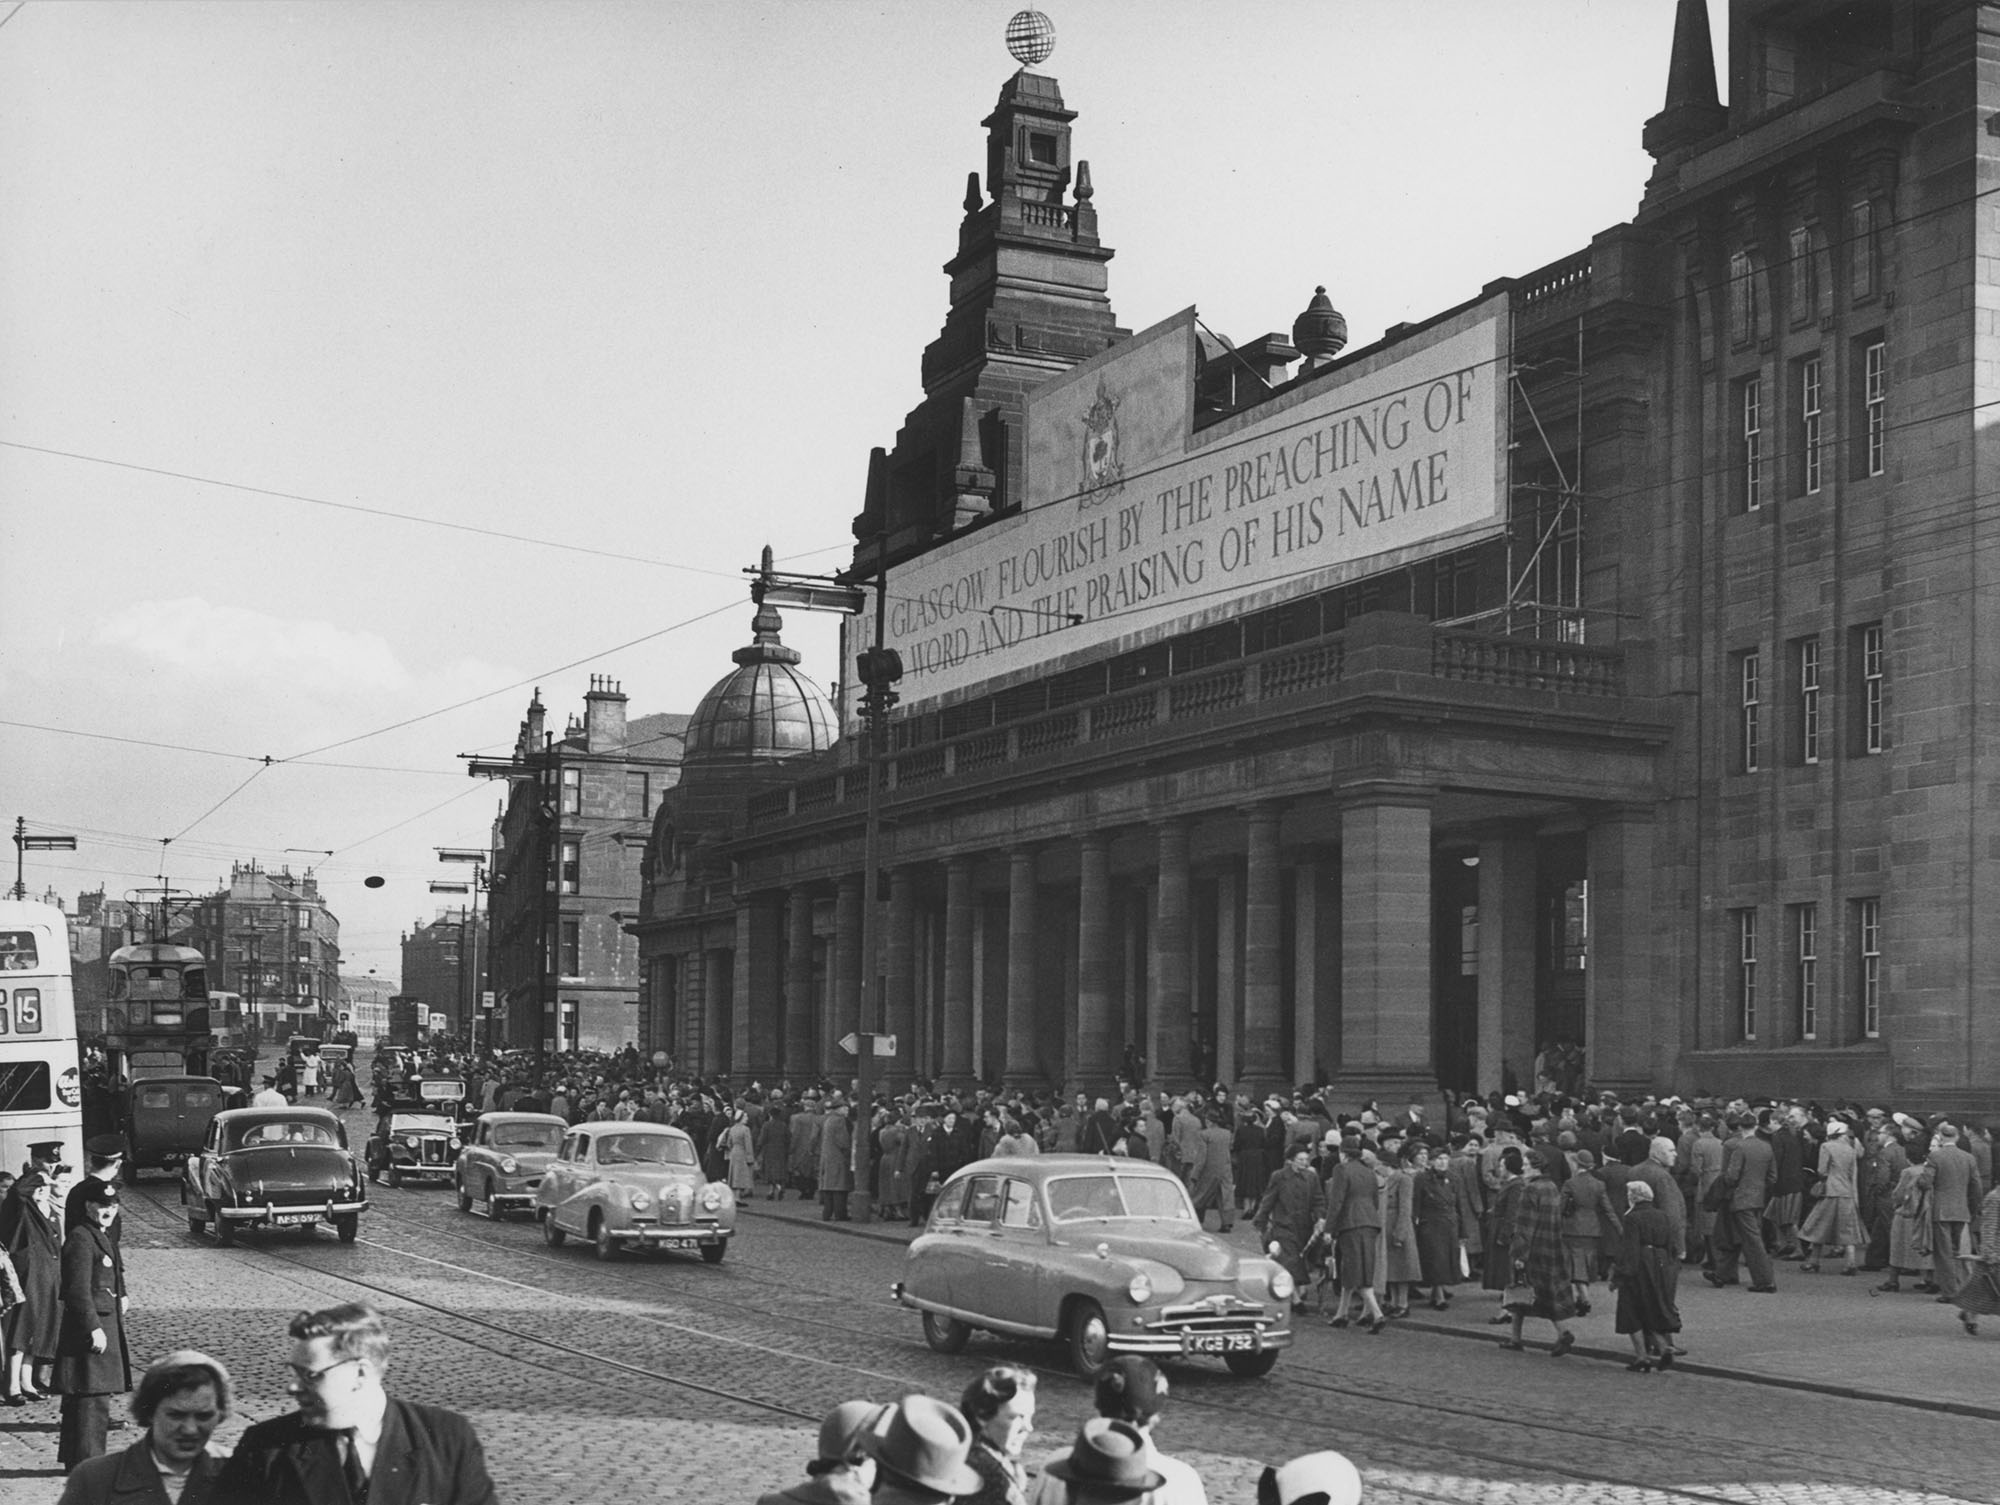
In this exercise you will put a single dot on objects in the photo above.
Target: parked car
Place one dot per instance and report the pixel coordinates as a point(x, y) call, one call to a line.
point(166, 1118)
point(421, 1146)
point(1102, 1252)
point(273, 1168)
point(634, 1185)
point(504, 1161)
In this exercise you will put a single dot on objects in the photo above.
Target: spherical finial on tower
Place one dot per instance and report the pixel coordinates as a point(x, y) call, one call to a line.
point(1320, 331)
point(1031, 37)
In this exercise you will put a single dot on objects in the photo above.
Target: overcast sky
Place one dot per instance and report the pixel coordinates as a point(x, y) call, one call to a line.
point(284, 287)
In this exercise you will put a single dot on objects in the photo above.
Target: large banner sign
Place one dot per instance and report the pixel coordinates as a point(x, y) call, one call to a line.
point(1134, 526)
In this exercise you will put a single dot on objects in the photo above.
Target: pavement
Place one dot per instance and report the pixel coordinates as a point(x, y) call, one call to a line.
point(1824, 1334)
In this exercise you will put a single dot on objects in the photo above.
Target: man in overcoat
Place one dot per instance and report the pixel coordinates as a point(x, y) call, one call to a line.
point(1290, 1209)
point(1751, 1170)
point(836, 1163)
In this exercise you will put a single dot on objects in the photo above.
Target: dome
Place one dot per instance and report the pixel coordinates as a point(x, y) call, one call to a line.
point(764, 711)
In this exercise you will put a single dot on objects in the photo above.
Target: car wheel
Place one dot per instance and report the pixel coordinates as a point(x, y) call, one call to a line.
point(465, 1198)
point(712, 1253)
point(348, 1226)
point(492, 1207)
point(945, 1334)
point(393, 1176)
point(225, 1231)
point(1089, 1339)
point(375, 1173)
point(1251, 1366)
point(551, 1235)
point(600, 1236)
point(197, 1223)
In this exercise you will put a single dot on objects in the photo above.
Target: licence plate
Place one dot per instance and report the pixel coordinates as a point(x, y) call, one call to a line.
point(285, 1218)
point(1218, 1342)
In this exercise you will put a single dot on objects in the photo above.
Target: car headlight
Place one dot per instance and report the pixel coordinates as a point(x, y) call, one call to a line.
point(639, 1200)
point(1140, 1288)
point(509, 1165)
point(711, 1196)
point(411, 1140)
point(1282, 1284)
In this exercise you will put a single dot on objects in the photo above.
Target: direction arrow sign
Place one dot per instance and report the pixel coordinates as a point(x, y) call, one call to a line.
point(882, 1045)
point(851, 1043)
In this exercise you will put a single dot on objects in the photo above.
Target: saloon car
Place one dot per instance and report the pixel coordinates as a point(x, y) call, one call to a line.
point(634, 1185)
point(273, 1168)
point(412, 1147)
point(504, 1160)
point(1099, 1251)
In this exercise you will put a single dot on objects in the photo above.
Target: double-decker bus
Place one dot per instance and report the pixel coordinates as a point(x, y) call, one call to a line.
point(41, 1086)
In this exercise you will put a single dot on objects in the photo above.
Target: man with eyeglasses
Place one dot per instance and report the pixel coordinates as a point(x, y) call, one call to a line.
point(350, 1442)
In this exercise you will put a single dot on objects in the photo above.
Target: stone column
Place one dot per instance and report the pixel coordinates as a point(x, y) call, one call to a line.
point(1228, 975)
point(718, 966)
point(960, 916)
point(1261, 1068)
point(846, 979)
point(1506, 959)
point(1168, 1020)
point(1385, 924)
point(1305, 972)
point(753, 1019)
point(1023, 1066)
point(1096, 1023)
point(900, 982)
point(1620, 999)
point(801, 1055)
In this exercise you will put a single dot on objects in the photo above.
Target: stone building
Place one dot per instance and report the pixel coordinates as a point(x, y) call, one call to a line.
point(270, 937)
point(1602, 660)
point(565, 871)
point(442, 959)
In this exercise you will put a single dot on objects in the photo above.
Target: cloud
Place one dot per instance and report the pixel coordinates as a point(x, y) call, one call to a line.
point(201, 640)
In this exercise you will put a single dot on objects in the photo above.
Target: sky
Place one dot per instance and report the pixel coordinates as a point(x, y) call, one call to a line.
point(364, 366)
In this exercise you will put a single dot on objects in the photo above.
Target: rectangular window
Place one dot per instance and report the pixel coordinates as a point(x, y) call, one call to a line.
point(572, 791)
point(1861, 250)
point(572, 949)
point(1873, 731)
point(1874, 408)
point(1804, 276)
point(24, 1087)
point(1751, 410)
point(1805, 968)
point(1746, 973)
point(1809, 721)
point(570, 870)
point(1868, 938)
point(1468, 940)
point(1746, 307)
point(1749, 710)
point(1810, 414)
point(638, 794)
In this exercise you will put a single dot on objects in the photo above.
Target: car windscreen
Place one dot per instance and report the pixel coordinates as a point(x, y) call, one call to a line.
point(1075, 1198)
point(538, 1137)
point(644, 1149)
point(261, 1136)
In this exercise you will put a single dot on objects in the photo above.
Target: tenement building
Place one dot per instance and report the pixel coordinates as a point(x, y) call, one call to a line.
point(1603, 661)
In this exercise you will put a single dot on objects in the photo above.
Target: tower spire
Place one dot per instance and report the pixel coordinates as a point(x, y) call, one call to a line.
point(1693, 111)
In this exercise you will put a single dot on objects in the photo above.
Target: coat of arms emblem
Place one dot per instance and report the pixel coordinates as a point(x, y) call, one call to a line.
point(1103, 465)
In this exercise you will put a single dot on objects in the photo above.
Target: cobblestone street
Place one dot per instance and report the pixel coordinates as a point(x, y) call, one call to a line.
point(662, 1379)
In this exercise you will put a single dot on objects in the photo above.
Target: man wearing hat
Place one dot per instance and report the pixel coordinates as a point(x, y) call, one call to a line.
point(836, 1162)
point(1132, 1390)
point(91, 1364)
point(43, 1157)
point(106, 1154)
point(1110, 1460)
point(844, 1471)
point(921, 1446)
point(181, 1400)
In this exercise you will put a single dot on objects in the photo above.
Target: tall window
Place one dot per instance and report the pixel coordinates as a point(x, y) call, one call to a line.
point(1868, 938)
point(1810, 411)
point(569, 872)
point(1746, 310)
point(1803, 275)
point(570, 960)
point(1468, 940)
point(1874, 407)
point(1752, 411)
point(1746, 973)
point(1805, 968)
point(638, 792)
point(1861, 250)
point(1809, 721)
point(1749, 709)
point(572, 791)
point(1873, 730)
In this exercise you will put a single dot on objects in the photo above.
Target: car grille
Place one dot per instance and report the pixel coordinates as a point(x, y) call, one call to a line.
point(1223, 1313)
point(433, 1152)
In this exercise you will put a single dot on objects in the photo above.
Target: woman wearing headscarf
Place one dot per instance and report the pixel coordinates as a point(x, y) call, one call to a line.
point(1835, 1218)
point(1647, 1275)
point(1539, 1285)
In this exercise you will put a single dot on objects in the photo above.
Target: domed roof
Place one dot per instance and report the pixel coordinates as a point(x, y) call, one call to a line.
point(765, 710)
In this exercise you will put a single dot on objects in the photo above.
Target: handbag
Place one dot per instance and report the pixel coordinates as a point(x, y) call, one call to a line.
point(1518, 1295)
point(1464, 1264)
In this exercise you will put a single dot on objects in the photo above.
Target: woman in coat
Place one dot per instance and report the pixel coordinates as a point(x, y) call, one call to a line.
point(1251, 1169)
point(1496, 1273)
point(1435, 1202)
point(1835, 1219)
point(1401, 1265)
point(740, 1150)
point(1910, 1230)
point(1647, 1276)
point(36, 1253)
point(91, 1365)
point(1538, 1285)
point(774, 1152)
point(1590, 1226)
point(894, 1174)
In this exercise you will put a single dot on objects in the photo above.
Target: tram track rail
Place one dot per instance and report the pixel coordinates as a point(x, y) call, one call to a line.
point(1391, 1423)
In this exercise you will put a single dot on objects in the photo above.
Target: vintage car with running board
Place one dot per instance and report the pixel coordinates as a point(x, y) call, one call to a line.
point(634, 1185)
point(504, 1160)
point(274, 1168)
point(417, 1139)
point(1102, 1252)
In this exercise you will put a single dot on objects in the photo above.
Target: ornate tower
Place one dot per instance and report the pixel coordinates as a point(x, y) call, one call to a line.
point(1028, 300)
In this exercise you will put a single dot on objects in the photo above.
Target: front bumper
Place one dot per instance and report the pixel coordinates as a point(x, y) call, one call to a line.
point(673, 1236)
point(1206, 1343)
point(284, 1214)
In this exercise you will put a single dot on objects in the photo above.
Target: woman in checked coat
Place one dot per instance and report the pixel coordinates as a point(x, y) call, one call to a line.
point(1539, 1283)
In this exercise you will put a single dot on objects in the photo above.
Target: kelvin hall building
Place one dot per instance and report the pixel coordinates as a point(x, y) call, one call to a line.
point(1607, 660)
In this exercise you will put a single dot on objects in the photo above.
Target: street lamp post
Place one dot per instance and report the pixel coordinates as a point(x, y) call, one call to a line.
point(469, 982)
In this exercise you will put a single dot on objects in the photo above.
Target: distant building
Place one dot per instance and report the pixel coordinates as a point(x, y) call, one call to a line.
point(98, 927)
point(567, 851)
point(270, 937)
point(443, 960)
point(364, 998)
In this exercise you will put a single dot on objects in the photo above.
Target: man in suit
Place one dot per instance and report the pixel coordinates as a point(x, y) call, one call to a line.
point(350, 1442)
point(1955, 1198)
point(1751, 1169)
point(181, 1401)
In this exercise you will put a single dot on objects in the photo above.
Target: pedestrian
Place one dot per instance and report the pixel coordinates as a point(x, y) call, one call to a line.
point(774, 1152)
point(920, 1452)
point(1910, 1221)
point(1590, 1226)
point(1354, 1218)
point(1539, 1285)
point(1315, 1479)
point(347, 1091)
point(180, 1401)
point(91, 1363)
point(741, 1152)
point(844, 1470)
point(807, 1125)
point(836, 1163)
point(1212, 1182)
point(1401, 1267)
point(1749, 1171)
point(268, 1096)
point(1979, 1293)
point(1835, 1220)
point(1289, 1213)
point(1648, 1275)
point(999, 1405)
point(1249, 1167)
point(347, 1425)
point(1955, 1193)
point(34, 1247)
point(1435, 1198)
point(1110, 1460)
point(1133, 1390)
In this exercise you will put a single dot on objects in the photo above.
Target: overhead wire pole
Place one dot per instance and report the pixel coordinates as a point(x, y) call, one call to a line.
point(24, 843)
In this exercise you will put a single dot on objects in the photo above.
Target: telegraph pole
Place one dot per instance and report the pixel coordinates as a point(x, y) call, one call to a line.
point(24, 843)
